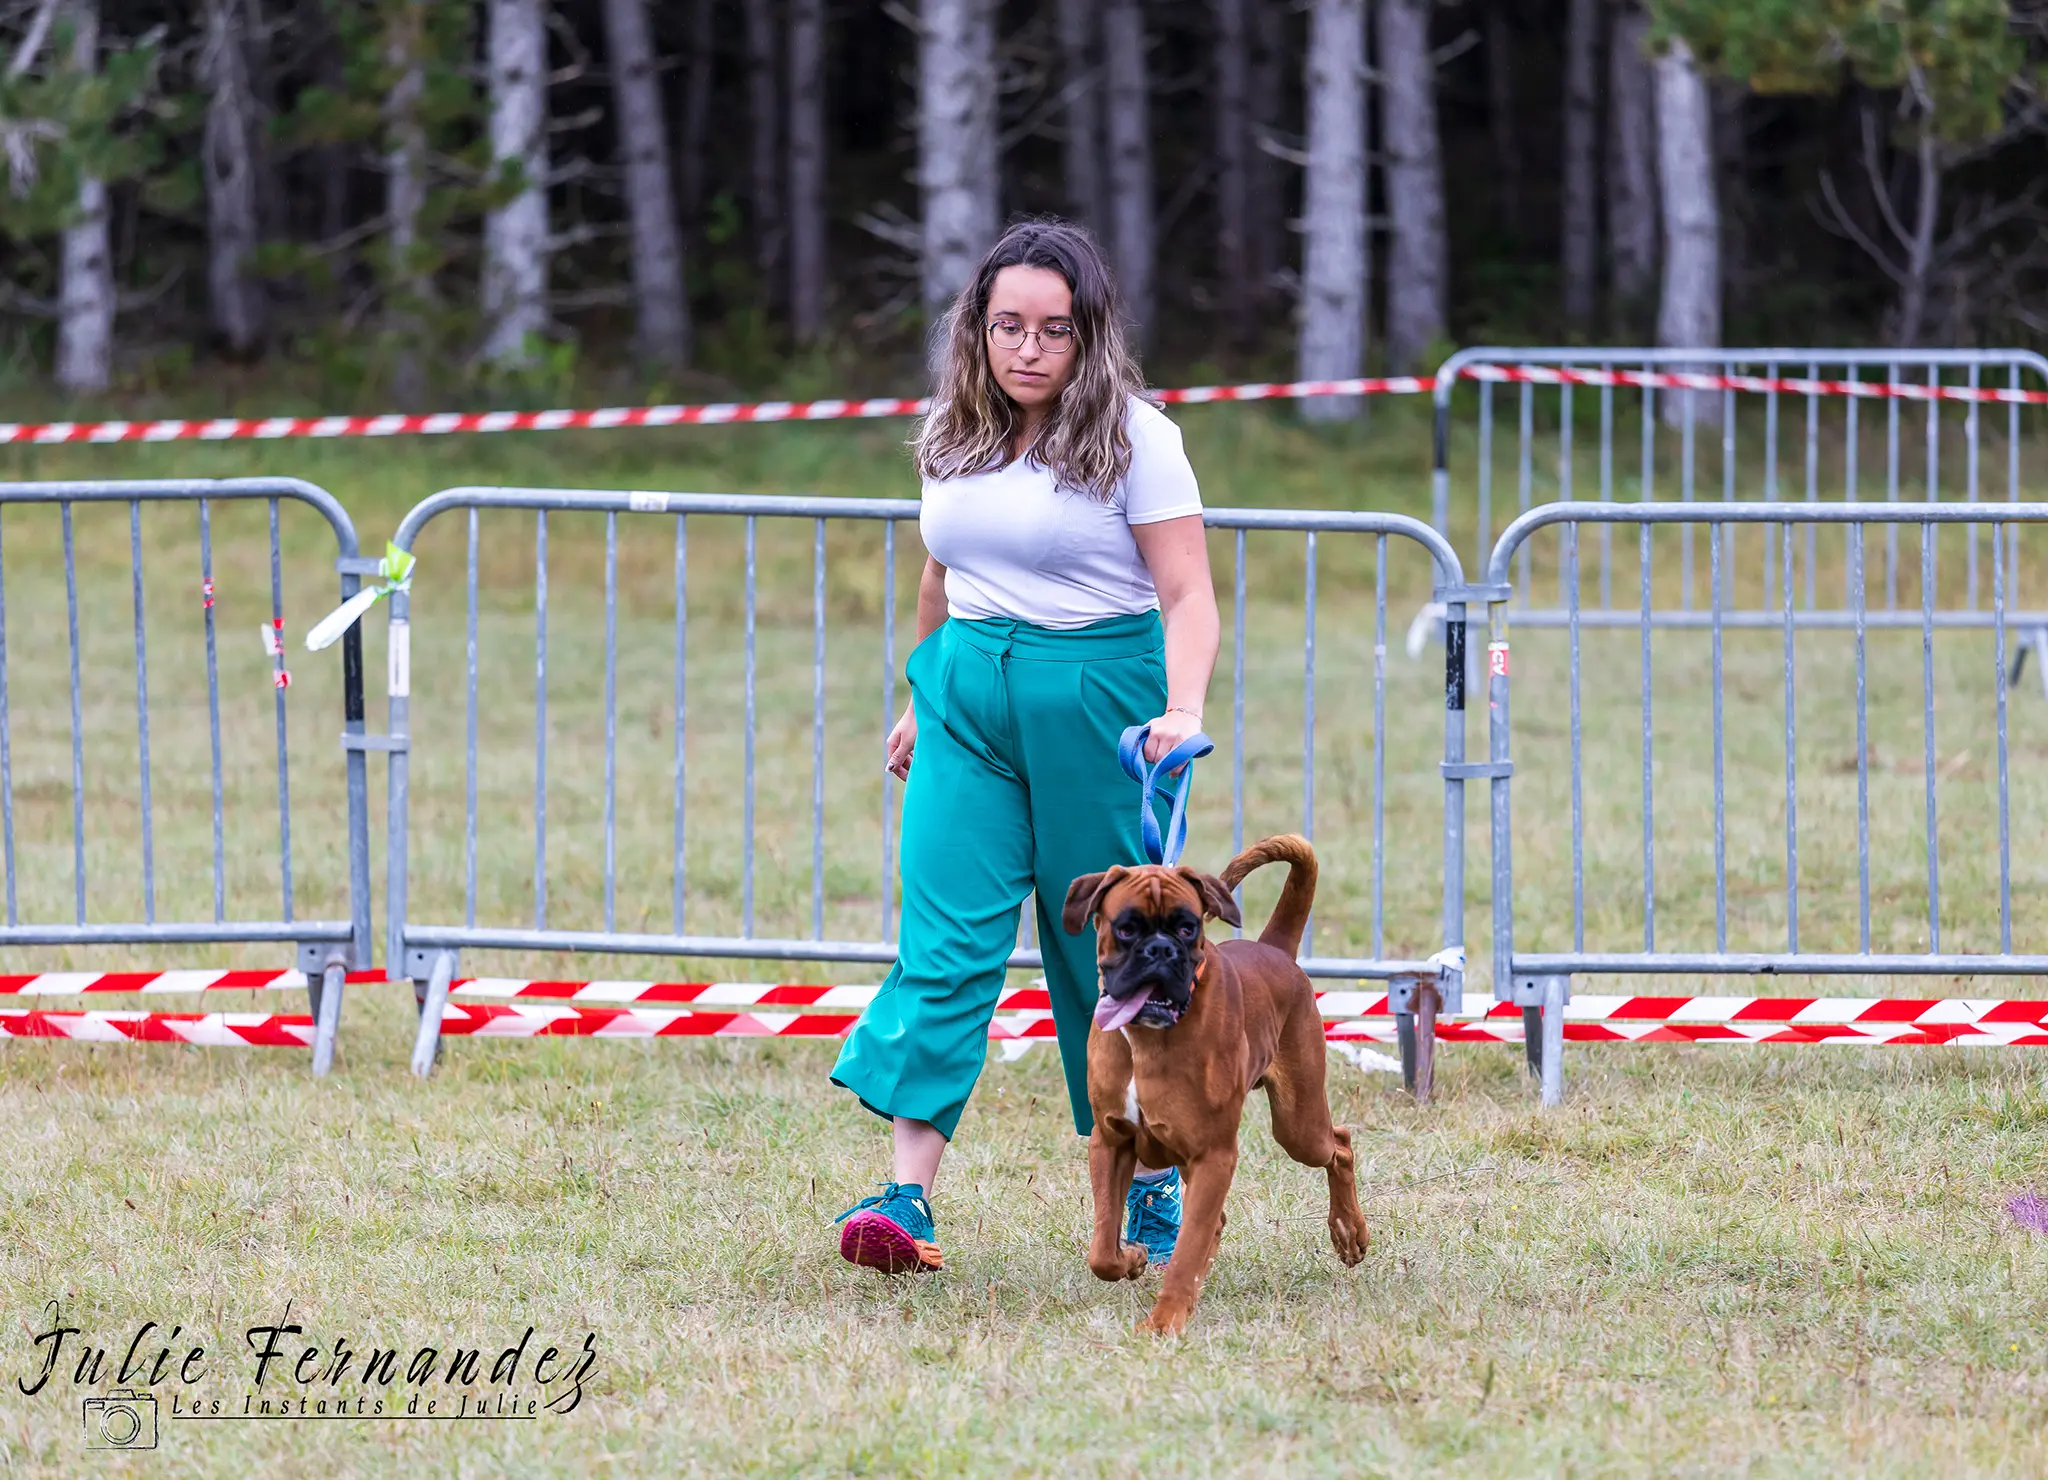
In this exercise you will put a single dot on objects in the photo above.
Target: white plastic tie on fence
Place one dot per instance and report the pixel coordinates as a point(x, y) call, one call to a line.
point(1450, 958)
point(396, 570)
point(647, 503)
point(1422, 628)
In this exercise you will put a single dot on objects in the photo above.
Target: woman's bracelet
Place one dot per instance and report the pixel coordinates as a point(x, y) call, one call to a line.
point(1194, 714)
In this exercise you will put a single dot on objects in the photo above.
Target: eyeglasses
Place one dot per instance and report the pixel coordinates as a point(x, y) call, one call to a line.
point(1053, 339)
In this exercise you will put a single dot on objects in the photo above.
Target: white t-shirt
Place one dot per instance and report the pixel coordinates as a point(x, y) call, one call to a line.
point(1017, 546)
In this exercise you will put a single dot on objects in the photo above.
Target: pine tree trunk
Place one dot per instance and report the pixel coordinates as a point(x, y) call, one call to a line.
point(407, 287)
point(1081, 68)
point(692, 142)
point(1580, 226)
point(1689, 314)
point(1233, 139)
point(764, 107)
point(1632, 167)
point(1127, 116)
point(1335, 264)
point(1266, 224)
point(85, 294)
point(1417, 256)
point(228, 165)
point(956, 145)
point(515, 278)
point(662, 324)
point(807, 280)
point(1503, 129)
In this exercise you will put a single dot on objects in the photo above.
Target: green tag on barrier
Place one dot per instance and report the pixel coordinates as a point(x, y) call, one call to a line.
point(395, 571)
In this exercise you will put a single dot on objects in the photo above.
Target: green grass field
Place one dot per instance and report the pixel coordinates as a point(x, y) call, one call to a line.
point(1709, 1261)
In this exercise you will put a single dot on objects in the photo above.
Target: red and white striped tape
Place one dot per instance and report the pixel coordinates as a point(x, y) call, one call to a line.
point(201, 1029)
point(73, 983)
point(786, 994)
point(445, 423)
point(1851, 1035)
point(510, 1020)
point(604, 418)
point(1795, 1010)
point(1930, 1012)
point(703, 994)
point(1017, 1029)
point(1798, 1011)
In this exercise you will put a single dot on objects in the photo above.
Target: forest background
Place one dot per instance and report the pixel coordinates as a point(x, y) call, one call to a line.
point(382, 203)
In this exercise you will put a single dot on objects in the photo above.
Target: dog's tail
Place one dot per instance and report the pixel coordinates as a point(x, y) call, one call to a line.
point(1297, 895)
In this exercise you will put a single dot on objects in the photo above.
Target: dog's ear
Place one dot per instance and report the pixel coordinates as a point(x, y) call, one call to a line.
point(1217, 901)
point(1084, 894)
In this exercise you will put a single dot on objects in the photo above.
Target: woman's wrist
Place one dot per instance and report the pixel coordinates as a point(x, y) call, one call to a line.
point(1188, 709)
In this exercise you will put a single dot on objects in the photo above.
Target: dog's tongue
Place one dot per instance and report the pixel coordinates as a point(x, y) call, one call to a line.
point(1112, 1013)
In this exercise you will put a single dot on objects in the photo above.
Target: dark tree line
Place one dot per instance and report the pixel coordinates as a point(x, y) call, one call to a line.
point(413, 192)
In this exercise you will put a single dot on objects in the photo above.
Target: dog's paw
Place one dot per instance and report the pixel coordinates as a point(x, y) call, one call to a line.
point(1350, 1239)
point(1127, 1263)
point(1168, 1318)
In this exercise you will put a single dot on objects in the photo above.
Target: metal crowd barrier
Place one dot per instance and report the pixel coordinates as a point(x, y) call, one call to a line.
point(1540, 980)
point(223, 622)
point(424, 945)
point(1661, 445)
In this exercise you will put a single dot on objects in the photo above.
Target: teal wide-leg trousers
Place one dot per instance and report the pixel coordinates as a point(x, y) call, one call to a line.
point(1014, 786)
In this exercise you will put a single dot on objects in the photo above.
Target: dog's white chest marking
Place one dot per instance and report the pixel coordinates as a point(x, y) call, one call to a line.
point(1131, 1089)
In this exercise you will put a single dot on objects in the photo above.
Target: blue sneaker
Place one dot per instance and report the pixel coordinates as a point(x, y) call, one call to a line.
point(892, 1232)
point(1152, 1216)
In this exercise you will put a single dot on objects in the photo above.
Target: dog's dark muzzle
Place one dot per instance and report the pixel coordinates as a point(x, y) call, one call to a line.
point(1161, 967)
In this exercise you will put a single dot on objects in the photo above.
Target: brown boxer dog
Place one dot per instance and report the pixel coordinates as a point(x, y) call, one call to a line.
point(1185, 1029)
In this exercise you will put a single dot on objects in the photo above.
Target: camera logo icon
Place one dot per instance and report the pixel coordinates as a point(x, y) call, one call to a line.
point(123, 1419)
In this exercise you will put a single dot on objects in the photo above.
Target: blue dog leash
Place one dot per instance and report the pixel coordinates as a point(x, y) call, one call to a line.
point(1130, 751)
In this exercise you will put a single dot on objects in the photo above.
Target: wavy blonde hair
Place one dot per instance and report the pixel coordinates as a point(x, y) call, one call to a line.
point(1084, 442)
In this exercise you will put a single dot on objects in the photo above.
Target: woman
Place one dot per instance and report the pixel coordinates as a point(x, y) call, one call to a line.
point(1066, 596)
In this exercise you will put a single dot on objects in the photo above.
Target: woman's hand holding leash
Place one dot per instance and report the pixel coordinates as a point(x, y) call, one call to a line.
point(1131, 750)
point(1168, 730)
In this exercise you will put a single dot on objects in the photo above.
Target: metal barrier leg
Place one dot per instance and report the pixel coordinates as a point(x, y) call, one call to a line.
point(1542, 1000)
point(427, 1047)
point(1555, 992)
point(1424, 1084)
point(1415, 1002)
point(327, 1013)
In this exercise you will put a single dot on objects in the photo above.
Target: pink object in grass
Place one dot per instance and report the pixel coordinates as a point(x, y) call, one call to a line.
point(2030, 1211)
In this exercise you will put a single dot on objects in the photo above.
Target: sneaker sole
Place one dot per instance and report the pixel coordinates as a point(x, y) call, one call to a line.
point(873, 1242)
